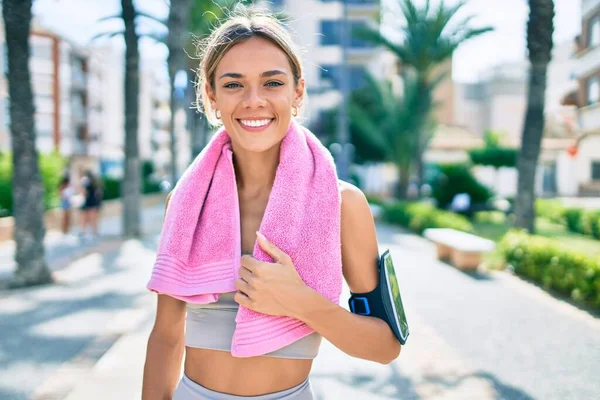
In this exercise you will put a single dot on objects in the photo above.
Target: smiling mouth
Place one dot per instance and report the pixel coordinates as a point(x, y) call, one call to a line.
point(255, 124)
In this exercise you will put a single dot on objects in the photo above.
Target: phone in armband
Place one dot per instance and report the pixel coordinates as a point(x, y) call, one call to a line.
point(385, 301)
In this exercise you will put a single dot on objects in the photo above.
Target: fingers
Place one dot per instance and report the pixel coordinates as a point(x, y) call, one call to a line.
point(250, 263)
point(246, 275)
point(242, 299)
point(243, 286)
point(278, 255)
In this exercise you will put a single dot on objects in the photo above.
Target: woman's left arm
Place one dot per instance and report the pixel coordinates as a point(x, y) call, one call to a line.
point(364, 337)
point(277, 289)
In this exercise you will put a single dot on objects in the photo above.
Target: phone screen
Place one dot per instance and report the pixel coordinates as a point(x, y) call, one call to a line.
point(392, 283)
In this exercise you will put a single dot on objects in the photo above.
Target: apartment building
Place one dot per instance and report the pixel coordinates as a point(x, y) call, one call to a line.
point(59, 74)
point(586, 154)
point(106, 110)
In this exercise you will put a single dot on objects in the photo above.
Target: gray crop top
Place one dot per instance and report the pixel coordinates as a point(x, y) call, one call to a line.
point(211, 326)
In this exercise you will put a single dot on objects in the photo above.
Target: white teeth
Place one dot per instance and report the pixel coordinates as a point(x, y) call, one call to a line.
point(255, 123)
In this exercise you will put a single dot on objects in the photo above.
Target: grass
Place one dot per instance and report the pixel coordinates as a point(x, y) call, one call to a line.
point(494, 226)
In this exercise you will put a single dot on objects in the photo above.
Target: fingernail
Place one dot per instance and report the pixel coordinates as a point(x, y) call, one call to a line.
point(260, 235)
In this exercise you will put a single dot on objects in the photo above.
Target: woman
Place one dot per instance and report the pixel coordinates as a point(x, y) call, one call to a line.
point(90, 210)
point(66, 196)
point(250, 80)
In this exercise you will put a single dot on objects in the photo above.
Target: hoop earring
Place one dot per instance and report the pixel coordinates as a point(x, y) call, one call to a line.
point(295, 111)
point(217, 114)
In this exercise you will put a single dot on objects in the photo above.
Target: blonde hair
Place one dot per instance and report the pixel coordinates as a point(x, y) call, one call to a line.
point(242, 24)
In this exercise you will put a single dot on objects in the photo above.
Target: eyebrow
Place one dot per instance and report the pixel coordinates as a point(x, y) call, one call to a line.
point(265, 74)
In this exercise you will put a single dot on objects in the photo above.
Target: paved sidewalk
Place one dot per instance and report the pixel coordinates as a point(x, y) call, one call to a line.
point(477, 337)
point(62, 249)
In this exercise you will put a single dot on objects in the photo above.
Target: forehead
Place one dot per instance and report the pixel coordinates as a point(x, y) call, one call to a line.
point(252, 57)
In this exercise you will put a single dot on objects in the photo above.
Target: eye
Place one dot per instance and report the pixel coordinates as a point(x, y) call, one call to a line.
point(274, 83)
point(232, 85)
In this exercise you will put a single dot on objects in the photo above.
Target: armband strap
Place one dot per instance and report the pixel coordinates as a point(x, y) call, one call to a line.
point(369, 304)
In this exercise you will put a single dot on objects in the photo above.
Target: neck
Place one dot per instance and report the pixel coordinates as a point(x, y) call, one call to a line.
point(255, 171)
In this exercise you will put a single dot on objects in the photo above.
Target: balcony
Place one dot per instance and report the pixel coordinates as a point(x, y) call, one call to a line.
point(589, 118)
point(362, 8)
point(588, 61)
point(588, 5)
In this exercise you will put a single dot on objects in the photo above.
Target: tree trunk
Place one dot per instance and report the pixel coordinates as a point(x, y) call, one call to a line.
point(177, 24)
point(539, 43)
point(404, 177)
point(424, 109)
point(131, 183)
point(28, 191)
point(530, 149)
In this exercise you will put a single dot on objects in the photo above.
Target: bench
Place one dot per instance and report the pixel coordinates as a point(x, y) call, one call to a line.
point(464, 250)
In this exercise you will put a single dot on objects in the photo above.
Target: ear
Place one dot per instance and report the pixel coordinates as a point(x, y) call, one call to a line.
point(210, 94)
point(299, 92)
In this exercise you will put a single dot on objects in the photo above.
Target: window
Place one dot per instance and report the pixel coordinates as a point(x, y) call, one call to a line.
point(593, 90)
point(594, 31)
point(596, 170)
point(331, 31)
point(331, 75)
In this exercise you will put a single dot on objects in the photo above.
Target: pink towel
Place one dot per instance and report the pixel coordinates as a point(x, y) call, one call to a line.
point(199, 251)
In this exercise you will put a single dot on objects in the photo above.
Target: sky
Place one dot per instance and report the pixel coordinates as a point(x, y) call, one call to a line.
point(77, 20)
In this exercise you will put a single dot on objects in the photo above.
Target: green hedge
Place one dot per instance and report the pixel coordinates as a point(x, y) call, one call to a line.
point(555, 267)
point(578, 220)
point(552, 210)
point(51, 166)
point(457, 178)
point(420, 216)
point(495, 156)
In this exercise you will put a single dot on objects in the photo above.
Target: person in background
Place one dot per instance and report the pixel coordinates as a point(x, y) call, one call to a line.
point(66, 192)
point(90, 210)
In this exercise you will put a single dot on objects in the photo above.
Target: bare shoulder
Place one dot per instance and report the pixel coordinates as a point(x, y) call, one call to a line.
point(352, 197)
point(359, 240)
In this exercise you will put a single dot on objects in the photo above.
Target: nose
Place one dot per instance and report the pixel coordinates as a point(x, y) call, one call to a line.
point(254, 98)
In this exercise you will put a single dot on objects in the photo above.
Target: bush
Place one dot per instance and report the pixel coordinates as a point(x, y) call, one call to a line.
point(573, 219)
point(457, 178)
point(590, 222)
point(420, 216)
point(494, 156)
point(552, 210)
point(111, 188)
point(556, 267)
point(51, 166)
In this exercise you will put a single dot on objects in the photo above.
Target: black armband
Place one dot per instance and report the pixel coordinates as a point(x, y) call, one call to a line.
point(384, 302)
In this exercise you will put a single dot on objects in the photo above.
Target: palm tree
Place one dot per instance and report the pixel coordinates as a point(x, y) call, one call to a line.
point(390, 123)
point(428, 41)
point(28, 191)
point(131, 181)
point(131, 185)
point(177, 24)
point(539, 45)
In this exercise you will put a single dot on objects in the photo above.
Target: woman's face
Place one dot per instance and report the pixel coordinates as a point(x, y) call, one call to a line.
point(255, 93)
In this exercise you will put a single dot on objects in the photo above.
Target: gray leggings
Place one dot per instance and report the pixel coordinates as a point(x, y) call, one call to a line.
point(190, 390)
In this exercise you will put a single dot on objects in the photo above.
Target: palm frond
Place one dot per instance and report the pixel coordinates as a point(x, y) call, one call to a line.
point(366, 127)
point(157, 37)
point(151, 17)
point(106, 34)
point(108, 18)
point(374, 36)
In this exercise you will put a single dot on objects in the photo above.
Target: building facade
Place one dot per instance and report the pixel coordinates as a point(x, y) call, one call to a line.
point(316, 27)
point(59, 77)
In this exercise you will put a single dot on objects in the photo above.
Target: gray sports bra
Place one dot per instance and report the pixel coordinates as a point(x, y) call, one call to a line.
point(211, 326)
